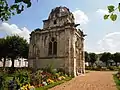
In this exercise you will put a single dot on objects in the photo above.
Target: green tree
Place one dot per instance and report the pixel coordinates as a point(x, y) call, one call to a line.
point(3, 51)
point(93, 58)
point(6, 10)
point(116, 57)
point(17, 48)
point(87, 57)
point(105, 57)
point(24, 49)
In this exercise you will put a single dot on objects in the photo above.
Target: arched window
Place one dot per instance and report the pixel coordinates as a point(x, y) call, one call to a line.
point(52, 47)
point(55, 48)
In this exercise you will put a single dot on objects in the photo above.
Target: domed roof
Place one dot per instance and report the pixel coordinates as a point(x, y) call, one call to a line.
point(59, 11)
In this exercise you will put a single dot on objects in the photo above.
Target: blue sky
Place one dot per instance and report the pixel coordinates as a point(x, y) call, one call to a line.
point(102, 35)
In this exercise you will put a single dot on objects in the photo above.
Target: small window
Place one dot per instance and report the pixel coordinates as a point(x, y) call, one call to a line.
point(55, 22)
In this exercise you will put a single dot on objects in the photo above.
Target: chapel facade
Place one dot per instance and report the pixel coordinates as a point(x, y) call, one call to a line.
point(59, 43)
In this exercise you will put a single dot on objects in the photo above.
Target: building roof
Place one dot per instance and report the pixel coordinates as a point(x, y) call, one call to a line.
point(58, 12)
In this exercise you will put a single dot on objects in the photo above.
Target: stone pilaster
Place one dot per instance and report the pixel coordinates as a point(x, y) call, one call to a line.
point(74, 65)
point(83, 57)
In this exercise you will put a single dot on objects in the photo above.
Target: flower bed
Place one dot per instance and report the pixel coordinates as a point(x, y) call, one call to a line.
point(40, 80)
point(53, 84)
point(48, 79)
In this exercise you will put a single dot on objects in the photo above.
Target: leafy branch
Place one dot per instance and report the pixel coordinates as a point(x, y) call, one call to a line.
point(111, 10)
point(6, 11)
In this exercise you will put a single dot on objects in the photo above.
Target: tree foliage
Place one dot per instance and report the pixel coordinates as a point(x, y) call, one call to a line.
point(116, 57)
point(87, 57)
point(15, 46)
point(6, 10)
point(105, 57)
point(3, 50)
point(93, 57)
point(112, 15)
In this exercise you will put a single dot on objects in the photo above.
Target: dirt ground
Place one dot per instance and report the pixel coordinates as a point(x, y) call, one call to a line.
point(94, 80)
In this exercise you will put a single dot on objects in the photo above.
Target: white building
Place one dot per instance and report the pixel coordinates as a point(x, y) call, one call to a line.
point(17, 63)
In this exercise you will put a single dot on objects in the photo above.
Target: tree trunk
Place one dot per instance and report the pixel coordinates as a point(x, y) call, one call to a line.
point(4, 63)
point(116, 63)
point(12, 59)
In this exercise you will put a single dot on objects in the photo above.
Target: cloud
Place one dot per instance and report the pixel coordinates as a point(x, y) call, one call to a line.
point(80, 17)
point(102, 11)
point(110, 43)
point(12, 29)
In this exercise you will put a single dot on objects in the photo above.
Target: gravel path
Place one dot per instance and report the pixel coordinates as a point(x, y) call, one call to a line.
point(94, 80)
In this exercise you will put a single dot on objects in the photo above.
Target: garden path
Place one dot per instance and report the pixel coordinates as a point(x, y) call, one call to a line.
point(95, 80)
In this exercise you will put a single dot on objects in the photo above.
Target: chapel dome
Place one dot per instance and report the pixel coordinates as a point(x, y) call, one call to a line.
point(59, 12)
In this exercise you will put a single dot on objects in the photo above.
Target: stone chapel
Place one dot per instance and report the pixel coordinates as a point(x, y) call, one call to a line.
point(59, 43)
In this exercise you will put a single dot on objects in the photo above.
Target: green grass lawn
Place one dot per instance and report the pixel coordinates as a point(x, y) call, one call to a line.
point(54, 84)
point(117, 81)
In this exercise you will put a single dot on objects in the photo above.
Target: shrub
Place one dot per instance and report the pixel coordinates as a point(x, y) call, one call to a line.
point(89, 68)
point(104, 68)
point(98, 68)
point(113, 68)
point(2, 81)
point(36, 77)
point(22, 77)
point(49, 68)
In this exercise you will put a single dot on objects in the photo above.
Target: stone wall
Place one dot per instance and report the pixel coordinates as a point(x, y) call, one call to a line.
point(60, 26)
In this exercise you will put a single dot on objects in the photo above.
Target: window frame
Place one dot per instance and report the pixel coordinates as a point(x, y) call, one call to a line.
point(52, 48)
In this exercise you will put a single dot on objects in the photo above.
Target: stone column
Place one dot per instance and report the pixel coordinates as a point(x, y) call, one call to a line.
point(70, 62)
point(74, 66)
point(34, 61)
point(67, 52)
point(83, 57)
point(83, 62)
point(79, 62)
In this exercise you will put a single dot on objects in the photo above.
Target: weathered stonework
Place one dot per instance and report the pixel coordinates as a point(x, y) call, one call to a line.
point(59, 43)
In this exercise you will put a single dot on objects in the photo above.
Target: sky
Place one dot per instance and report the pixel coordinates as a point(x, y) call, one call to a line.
point(102, 35)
